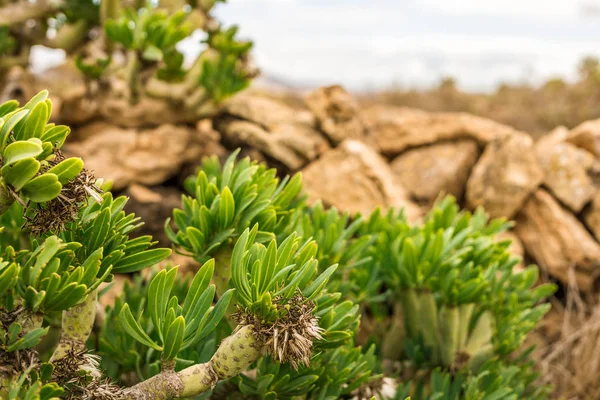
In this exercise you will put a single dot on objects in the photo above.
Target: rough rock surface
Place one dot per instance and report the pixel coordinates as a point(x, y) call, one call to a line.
point(587, 136)
point(557, 240)
point(72, 103)
point(438, 168)
point(506, 173)
point(591, 216)
point(264, 111)
point(148, 112)
point(337, 113)
point(568, 172)
point(129, 156)
point(355, 178)
point(555, 136)
point(17, 84)
point(277, 131)
point(396, 129)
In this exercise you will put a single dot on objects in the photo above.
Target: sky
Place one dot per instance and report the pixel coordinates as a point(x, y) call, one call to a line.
point(370, 44)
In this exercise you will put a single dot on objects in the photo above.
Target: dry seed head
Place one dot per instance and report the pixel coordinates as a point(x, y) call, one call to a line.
point(89, 386)
point(52, 216)
point(290, 338)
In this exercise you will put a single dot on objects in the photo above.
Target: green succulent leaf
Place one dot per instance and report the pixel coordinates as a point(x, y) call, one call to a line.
point(21, 172)
point(131, 326)
point(42, 188)
point(141, 260)
point(67, 169)
point(29, 340)
point(174, 338)
point(21, 150)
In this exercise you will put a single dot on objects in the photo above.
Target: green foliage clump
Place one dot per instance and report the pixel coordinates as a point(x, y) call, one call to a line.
point(226, 200)
point(153, 34)
point(290, 301)
point(225, 74)
point(28, 145)
point(135, 42)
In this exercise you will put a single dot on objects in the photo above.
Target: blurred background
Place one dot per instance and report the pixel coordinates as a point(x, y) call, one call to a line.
point(531, 64)
point(372, 44)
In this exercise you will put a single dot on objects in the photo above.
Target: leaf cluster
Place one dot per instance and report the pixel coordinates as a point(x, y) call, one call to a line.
point(226, 200)
point(28, 144)
point(225, 74)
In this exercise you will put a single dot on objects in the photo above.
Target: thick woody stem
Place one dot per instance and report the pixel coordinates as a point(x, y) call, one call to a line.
point(179, 91)
point(131, 75)
point(109, 9)
point(235, 354)
point(222, 274)
point(19, 12)
point(77, 324)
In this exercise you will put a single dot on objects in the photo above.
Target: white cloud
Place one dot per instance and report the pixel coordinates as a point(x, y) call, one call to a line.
point(555, 9)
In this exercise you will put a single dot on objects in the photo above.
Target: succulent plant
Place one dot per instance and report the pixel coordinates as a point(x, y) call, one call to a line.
point(128, 53)
point(275, 309)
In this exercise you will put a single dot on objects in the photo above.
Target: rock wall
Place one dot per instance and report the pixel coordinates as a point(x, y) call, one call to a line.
point(398, 157)
point(359, 158)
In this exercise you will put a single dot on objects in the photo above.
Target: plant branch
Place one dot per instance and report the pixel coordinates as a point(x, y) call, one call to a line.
point(235, 354)
point(131, 75)
point(22, 11)
point(77, 324)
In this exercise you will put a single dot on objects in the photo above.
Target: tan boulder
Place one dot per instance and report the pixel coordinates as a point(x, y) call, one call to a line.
point(568, 172)
point(591, 216)
point(17, 83)
point(443, 167)
point(505, 175)
point(555, 136)
point(587, 136)
point(72, 104)
point(396, 129)
point(128, 156)
point(557, 240)
point(337, 113)
point(274, 129)
point(355, 178)
point(150, 111)
point(264, 111)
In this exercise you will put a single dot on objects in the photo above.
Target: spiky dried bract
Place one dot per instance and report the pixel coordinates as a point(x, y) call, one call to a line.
point(16, 362)
point(290, 338)
point(53, 215)
point(79, 374)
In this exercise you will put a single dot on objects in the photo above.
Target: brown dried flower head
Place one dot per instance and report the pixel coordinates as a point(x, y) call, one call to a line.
point(291, 337)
